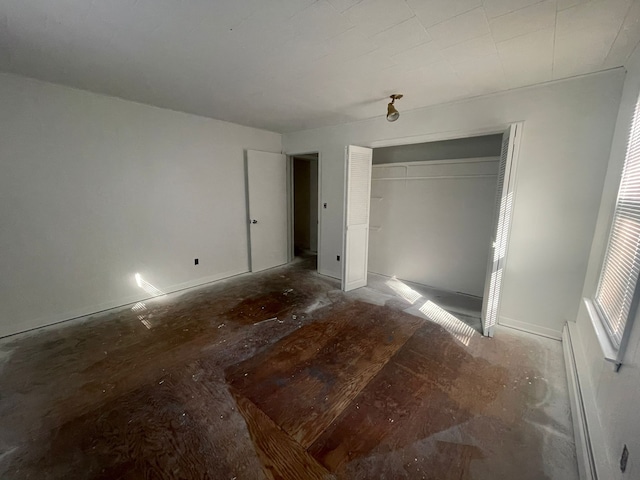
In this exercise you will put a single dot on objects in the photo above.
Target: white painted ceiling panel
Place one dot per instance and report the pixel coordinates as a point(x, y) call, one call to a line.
point(342, 5)
point(438, 84)
point(585, 35)
point(597, 15)
point(432, 12)
point(375, 16)
point(570, 59)
point(529, 19)
point(471, 49)
point(419, 56)
point(564, 4)
point(348, 45)
point(319, 22)
point(495, 8)
point(482, 75)
point(286, 65)
point(627, 38)
point(403, 36)
point(472, 24)
point(527, 58)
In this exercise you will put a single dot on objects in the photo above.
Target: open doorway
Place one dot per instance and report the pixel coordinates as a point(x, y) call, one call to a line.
point(391, 191)
point(304, 231)
point(431, 220)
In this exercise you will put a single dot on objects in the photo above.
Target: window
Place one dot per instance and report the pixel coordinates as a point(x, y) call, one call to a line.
point(615, 298)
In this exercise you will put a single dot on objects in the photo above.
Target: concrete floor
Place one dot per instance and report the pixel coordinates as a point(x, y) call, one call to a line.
point(281, 375)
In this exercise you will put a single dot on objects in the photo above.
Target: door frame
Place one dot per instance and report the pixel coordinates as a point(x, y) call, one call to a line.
point(494, 129)
point(290, 204)
point(465, 133)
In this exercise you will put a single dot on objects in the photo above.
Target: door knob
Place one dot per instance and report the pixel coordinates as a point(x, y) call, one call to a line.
point(254, 221)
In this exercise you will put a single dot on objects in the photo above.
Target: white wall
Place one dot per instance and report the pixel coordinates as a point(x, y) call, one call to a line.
point(568, 126)
point(615, 395)
point(94, 189)
point(431, 222)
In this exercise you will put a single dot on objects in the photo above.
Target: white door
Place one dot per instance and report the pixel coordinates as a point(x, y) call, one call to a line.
point(502, 224)
point(267, 192)
point(356, 232)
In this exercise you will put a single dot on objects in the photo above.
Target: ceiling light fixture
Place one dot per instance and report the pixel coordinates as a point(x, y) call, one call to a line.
point(392, 112)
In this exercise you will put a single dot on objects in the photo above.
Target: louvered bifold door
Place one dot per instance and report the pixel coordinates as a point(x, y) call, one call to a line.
point(356, 232)
point(502, 222)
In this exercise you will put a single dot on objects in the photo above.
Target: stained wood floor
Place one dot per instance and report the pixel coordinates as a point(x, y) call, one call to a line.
point(280, 375)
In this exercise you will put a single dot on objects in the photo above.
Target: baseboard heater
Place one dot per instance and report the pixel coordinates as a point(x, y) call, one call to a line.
point(584, 448)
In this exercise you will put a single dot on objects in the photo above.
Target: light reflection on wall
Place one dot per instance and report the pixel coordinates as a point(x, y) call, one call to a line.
point(147, 287)
point(140, 308)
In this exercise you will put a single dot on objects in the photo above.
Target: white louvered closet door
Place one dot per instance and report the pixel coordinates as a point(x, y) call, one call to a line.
point(502, 223)
point(357, 199)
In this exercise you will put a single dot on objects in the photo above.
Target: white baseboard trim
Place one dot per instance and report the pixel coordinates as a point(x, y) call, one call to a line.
point(530, 328)
point(595, 459)
point(584, 452)
point(107, 306)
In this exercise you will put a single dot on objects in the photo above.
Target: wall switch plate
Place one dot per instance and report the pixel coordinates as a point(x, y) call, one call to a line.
point(624, 458)
point(196, 261)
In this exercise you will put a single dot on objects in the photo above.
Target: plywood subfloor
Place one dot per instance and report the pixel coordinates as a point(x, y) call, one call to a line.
point(280, 375)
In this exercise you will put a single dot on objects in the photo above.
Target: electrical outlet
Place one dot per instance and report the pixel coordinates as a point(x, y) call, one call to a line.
point(623, 459)
point(338, 257)
point(196, 261)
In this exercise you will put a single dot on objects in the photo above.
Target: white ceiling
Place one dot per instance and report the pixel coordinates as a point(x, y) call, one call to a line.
point(287, 65)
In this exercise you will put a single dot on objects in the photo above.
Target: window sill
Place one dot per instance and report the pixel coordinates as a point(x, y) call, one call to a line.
point(611, 353)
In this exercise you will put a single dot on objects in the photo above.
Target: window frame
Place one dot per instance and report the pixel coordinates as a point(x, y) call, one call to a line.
point(614, 350)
